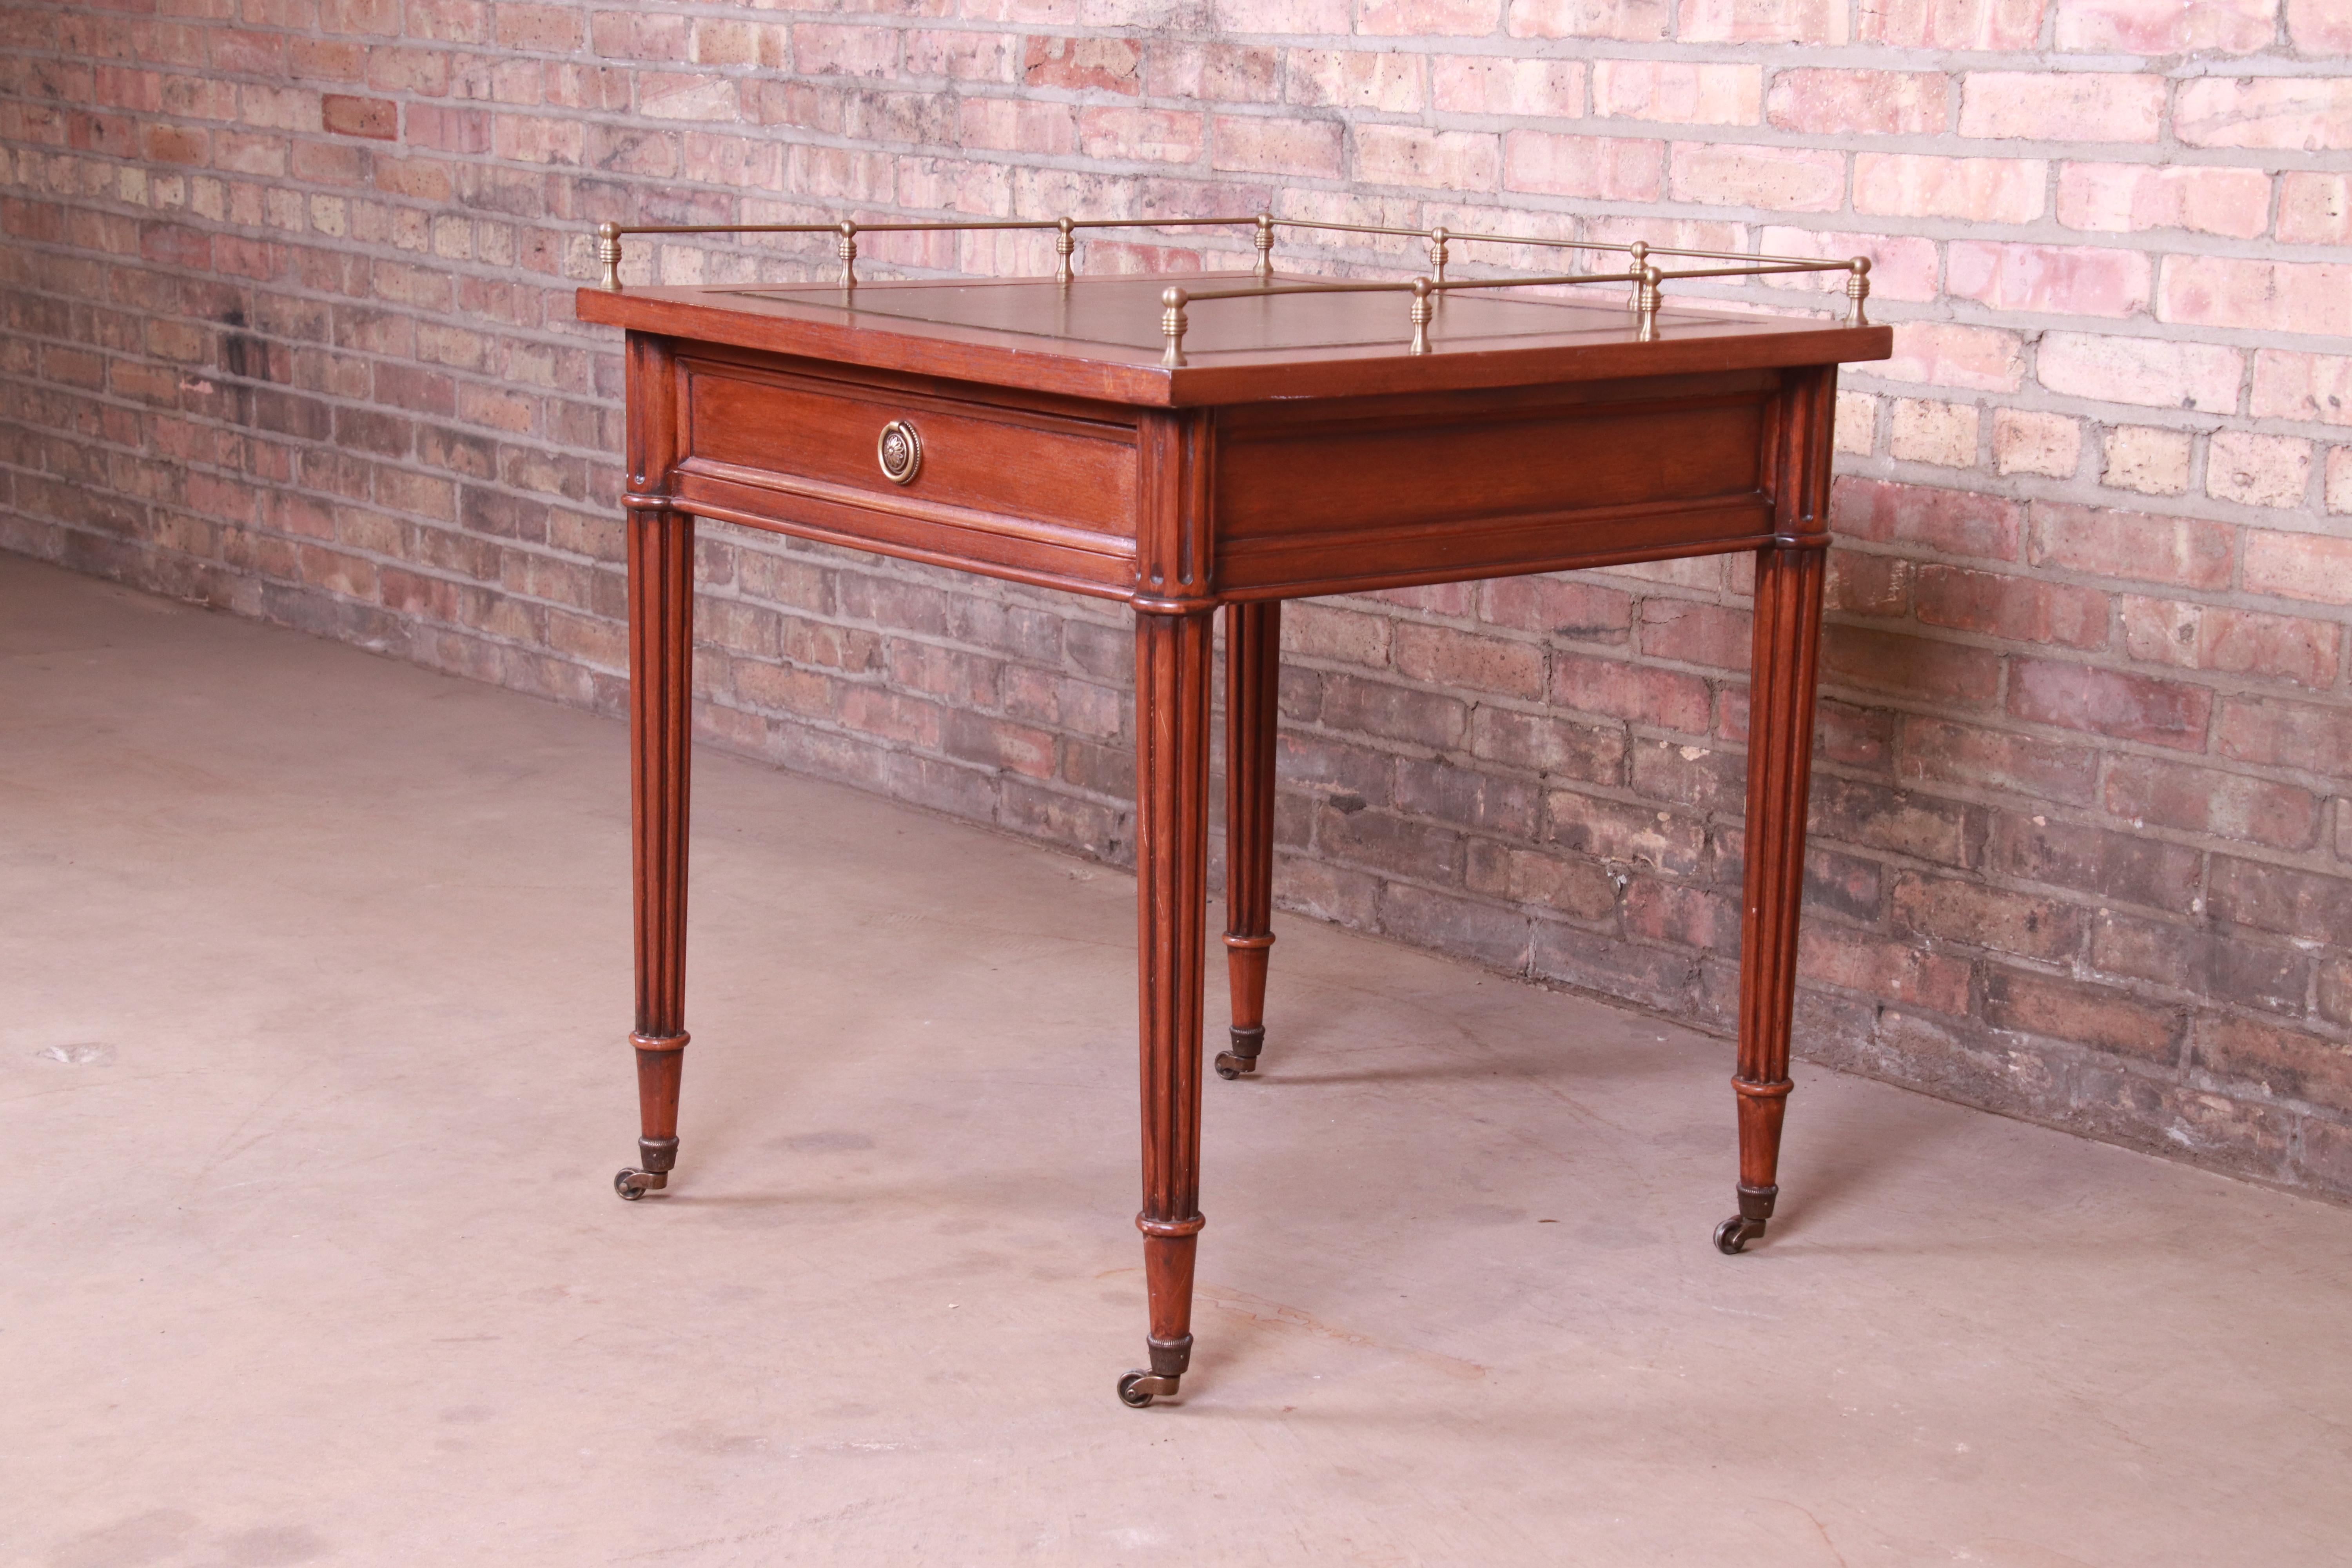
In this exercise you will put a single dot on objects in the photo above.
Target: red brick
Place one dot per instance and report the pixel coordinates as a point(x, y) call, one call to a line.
point(1547, 745)
point(2319, 27)
point(1408, 155)
point(1954, 522)
point(1820, 22)
point(2146, 372)
point(2280, 898)
point(2186, 552)
point(1425, 18)
point(1601, 168)
point(2020, 609)
point(2075, 280)
point(2166, 27)
point(541, 29)
point(2234, 969)
point(1984, 190)
point(1530, 878)
point(1077, 65)
point(2061, 105)
point(2237, 642)
point(1951, 910)
point(1677, 92)
point(2025, 441)
point(1214, 73)
point(1443, 656)
point(2267, 296)
point(2146, 459)
point(1858, 103)
point(1162, 135)
point(2201, 800)
point(2315, 208)
point(2309, 566)
point(1395, 712)
point(1478, 931)
point(1255, 144)
point(2126, 198)
point(1568, 608)
point(1489, 84)
point(2094, 1016)
point(2289, 1063)
point(1787, 179)
point(1868, 585)
point(1979, 359)
point(2131, 867)
point(2258, 470)
point(1354, 78)
point(1667, 698)
point(2110, 703)
point(1628, 835)
point(1663, 978)
point(2334, 990)
point(1901, 266)
point(1922, 430)
point(1632, 20)
point(1884, 970)
point(2304, 114)
point(1936, 750)
point(2300, 735)
point(376, 118)
point(2289, 386)
point(1953, 24)
point(1873, 660)
point(1665, 911)
point(1691, 632)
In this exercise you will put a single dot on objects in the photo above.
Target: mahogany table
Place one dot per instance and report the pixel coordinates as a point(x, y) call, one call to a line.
point(1181, 454)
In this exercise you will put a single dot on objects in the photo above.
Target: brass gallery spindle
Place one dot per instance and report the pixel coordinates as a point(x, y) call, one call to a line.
point(848, 250)
point(1437, 238)
point(1065, 243)
point(1264, 240)
point(1421, 314)
point(1857, 289)
point(608, 253)
point(1172, 326)
point(1645, 302)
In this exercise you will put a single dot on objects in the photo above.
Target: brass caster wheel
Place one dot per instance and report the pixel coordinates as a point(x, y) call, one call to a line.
point(1138, 1389)
point(1734, 1233)
point(632, 1183)
point(1230, 1067)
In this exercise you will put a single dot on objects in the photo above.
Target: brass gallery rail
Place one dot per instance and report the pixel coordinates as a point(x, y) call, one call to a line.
point(1647, 277)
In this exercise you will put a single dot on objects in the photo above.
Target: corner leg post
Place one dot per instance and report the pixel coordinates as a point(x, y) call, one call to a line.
point(661, 650)
point(1785, 670)
point(1253, 681)
point(1172, 727)
point(1779, 759)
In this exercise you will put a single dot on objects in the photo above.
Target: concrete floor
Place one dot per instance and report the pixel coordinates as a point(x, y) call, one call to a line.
point(316, 970)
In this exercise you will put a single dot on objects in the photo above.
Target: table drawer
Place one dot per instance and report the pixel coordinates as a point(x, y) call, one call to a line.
point(978, 462)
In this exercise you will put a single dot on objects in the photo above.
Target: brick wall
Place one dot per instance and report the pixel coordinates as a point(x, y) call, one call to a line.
point(287, 290)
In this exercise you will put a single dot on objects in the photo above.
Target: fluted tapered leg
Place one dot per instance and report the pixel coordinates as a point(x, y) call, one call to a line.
point(1252, 680)
point(661, 639)
point(1171, 725)
point(1784, 668)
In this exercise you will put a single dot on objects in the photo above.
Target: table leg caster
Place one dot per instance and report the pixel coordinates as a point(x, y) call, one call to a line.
point(1734, 1233)
point(1138, 1389)
point(632, 1183)
point(1242, 1057)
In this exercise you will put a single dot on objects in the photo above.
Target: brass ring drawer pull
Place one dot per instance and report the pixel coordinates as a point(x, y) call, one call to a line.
point(900, 452)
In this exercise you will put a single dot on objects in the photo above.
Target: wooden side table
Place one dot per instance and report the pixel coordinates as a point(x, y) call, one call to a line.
point(1233, 441)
